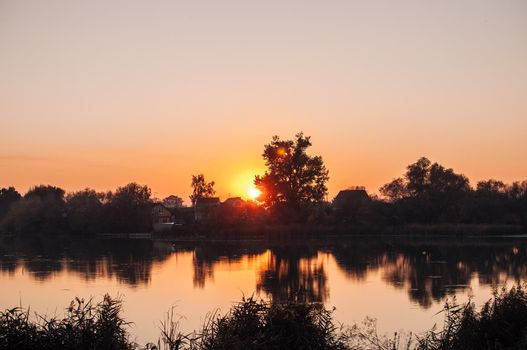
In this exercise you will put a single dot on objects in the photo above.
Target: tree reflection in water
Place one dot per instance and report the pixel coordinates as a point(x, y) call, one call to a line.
point(129, 262)
point(431, 270)
point(427, 269)
point(294, 272)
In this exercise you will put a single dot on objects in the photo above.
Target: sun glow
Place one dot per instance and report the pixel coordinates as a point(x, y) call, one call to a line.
point(254, 193)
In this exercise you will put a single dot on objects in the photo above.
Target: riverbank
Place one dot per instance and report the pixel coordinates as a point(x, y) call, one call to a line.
point(198, 233)
point(277, 231)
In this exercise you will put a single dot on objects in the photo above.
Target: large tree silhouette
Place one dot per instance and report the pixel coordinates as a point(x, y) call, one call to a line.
point(293, 178)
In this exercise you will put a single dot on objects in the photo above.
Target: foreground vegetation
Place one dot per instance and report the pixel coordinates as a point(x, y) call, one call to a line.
point(256, 324)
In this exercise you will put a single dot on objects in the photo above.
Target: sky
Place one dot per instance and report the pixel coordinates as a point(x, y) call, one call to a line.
point(101, 93)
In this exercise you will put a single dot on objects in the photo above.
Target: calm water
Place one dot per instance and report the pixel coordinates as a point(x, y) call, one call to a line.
point(400, 281)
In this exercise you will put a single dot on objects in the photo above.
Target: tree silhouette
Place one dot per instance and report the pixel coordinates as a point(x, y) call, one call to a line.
point(84, 211)
point(417, 176)
point(172, 200)
point(46, 192)
point(293, 178)
point(491, 187)
point(201, 188)
point(8, 196)
point(428, 192)
point(394, 190)
point(128, 209)
point(40, 210)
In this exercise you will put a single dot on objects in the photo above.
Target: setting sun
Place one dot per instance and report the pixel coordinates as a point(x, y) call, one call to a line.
point(254, 193)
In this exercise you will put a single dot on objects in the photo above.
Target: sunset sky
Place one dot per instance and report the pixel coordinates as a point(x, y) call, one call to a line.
point(101, 93)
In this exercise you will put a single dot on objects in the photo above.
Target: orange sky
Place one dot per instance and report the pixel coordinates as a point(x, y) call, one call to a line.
point(102, 93)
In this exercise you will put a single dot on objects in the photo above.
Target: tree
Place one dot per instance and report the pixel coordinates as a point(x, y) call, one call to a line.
point(46, 192)
point(84, 211)
point(423, 178)
point(417, 176)
point(491, 187)
point(173, 201)
point(129, 209)
point(293, 179)
point(444, 180)
point(201, 188)
point(41, 210)
point(517, 190)
point(8, 196)
point(428, 192)
point(394, 190)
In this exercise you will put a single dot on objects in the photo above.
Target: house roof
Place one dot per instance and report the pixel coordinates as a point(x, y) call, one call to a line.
point(233, 200)
point(171, 197)
point(355, 195)
point(157, 205)
point(204, 201)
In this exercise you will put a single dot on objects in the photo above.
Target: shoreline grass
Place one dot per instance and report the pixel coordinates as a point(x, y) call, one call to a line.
point(257, 324)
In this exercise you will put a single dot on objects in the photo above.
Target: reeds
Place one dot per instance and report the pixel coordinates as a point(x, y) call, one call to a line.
point(257, 324)
point(86, 325)
point(500, 324)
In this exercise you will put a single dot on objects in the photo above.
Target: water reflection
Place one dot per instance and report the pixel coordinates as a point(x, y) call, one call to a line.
point(432, 270)
point(428, 270)
point(207, 257)
point(129, 262)
point(294, 272)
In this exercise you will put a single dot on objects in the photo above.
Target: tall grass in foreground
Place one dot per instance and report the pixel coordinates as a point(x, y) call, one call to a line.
point(500, 324)
point(256, 324)
point(86, 325)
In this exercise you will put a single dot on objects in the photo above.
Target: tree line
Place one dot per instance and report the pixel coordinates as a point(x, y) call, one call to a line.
point(293, 189)
point(48, 209)
point(430, 193)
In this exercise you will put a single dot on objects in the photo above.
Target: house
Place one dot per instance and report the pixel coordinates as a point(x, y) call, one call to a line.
point(234, 202)
point(206, 209)
point(233, 209)
point(348, 203)
point(172, 202)
point(162, 218)
point(161, 214)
